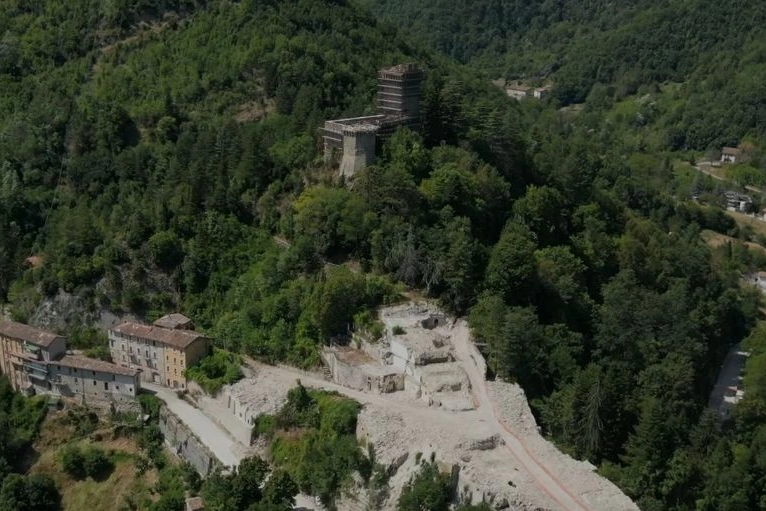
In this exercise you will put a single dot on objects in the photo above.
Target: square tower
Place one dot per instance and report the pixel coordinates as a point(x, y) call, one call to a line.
point(399, 91)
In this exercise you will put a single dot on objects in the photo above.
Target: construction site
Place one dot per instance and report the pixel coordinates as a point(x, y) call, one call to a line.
point(424, 395)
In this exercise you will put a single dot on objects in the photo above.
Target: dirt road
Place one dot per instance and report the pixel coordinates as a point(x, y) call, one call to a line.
point(544, 477)
point(538, 475)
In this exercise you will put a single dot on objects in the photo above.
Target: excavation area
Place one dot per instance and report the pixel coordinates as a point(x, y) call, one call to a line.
point(424, 396)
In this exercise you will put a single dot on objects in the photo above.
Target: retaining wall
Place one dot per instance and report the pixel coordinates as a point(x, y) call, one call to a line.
point(185, 444)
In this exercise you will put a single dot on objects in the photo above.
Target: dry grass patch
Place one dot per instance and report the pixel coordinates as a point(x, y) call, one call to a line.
point(714, 240)
point(758, 226)
point(87, 494)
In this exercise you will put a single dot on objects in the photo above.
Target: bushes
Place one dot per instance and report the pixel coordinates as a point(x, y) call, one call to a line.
point(219, 369)
point(31, 493)
point(81, 462)
point(325, 452)
point(430, 490)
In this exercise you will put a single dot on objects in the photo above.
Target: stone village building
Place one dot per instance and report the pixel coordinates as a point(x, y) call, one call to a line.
point(161, 352)
point(36, 362)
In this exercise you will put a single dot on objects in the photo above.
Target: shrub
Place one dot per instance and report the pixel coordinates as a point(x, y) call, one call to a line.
point(325, 451)
point(73, 461)
point(397, 330)
point(214, 371)
point(265, 426)
point(80, 462)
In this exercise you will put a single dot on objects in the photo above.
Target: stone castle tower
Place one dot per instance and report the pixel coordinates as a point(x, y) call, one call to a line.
point(357, 138)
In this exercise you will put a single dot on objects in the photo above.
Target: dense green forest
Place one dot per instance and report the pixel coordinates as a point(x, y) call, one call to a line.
point(705, 59)
point(165, 155)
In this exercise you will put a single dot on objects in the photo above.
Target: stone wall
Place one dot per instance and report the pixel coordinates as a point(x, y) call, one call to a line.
point(185, 444)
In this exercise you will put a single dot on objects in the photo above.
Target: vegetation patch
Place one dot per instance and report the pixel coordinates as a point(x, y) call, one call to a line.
point(216, 370)
point(90, 461)
point(314, 440)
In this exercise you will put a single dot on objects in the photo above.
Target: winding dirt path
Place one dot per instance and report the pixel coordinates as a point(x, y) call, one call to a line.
point(544, 477)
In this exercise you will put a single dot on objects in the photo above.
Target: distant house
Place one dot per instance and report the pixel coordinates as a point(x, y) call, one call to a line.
point(195, 504)
point(518, 91)
point(737, 201)
point(36, 362)
point(175, 321)
point(541, 93)
point(730, 155)
point(759, 279)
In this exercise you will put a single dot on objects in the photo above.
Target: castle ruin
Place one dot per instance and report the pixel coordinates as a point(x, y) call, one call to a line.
point(356, 139)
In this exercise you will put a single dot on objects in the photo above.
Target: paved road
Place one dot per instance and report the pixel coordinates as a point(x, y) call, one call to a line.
point(227, 450)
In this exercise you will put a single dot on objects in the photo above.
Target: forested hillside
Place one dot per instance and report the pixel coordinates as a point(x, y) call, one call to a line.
point(611, 50)
point(151, 152)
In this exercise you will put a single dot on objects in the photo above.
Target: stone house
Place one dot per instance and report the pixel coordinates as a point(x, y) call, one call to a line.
point(160, 354)
point(730, 155)
point(518, 91)
point(25, 352)
point(93, 381)
point(355, 369)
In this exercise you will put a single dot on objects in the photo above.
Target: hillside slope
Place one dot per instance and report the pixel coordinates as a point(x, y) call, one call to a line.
point(715, 49)
point(149, 163)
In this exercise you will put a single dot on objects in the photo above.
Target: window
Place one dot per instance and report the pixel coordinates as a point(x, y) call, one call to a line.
point(75, 380)
point(116, 387)
point(130, 349)
point(94, 373)
point(154, 354)
point(106, 385)
point(114, 377)
point(95, 383)
point(58, 368)
point(111, 343)
point(74, 370)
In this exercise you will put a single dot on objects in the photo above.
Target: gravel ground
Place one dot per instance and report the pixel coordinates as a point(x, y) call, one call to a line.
point(598, 492)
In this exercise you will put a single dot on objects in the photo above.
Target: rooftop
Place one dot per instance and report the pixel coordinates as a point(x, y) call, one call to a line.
point(92, 364)
point(30, 334)
point(172, 321)
point(400, 69)
point(195, 504)
point(176, 338)
point(730, 150)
